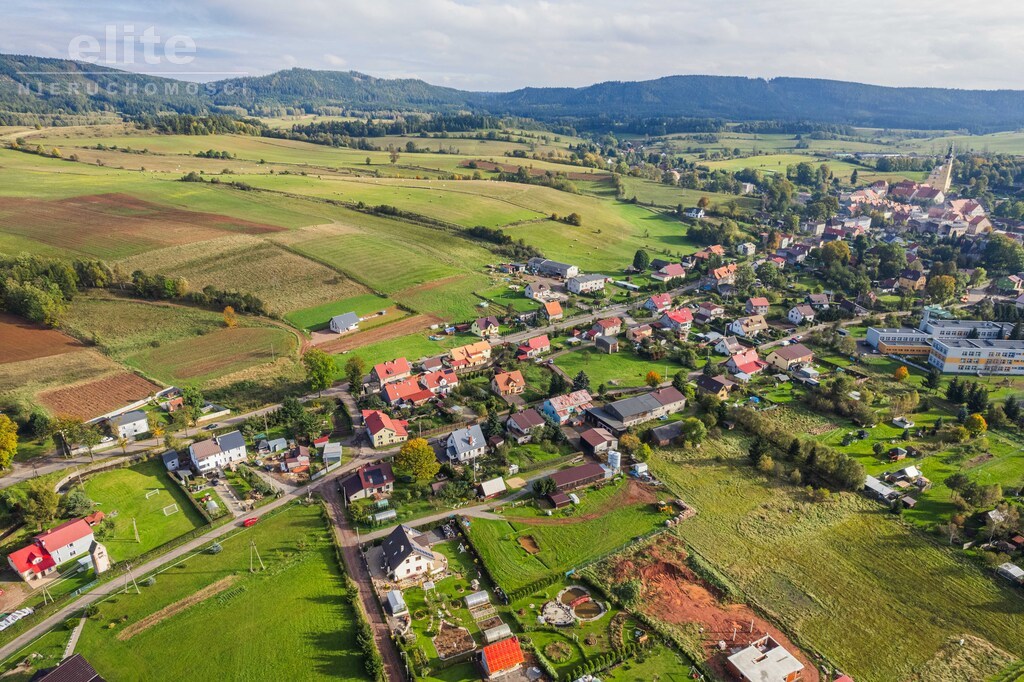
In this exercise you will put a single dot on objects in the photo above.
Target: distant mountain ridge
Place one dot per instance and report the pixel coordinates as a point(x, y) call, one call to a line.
point(732, 98)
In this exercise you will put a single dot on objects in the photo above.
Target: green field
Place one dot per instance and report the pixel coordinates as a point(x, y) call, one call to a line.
point(562, 547)
point(123, 491)
point(837, 568)
point(299, 602)
point(623, 369)
point(319, 316)
point(667, 196)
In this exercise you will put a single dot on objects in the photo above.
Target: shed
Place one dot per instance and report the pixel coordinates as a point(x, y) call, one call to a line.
point(908, 502)
point(170, 459)
point(607, 344)
point(332, 453)
point(639, 469)
point(493, 487)
point(559, 500)
point(396, 602)
point(497, 633)
point(277, 445)
point(477, 599)
point(388, 515)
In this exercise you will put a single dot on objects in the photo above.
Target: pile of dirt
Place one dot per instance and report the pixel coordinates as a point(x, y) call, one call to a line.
point(452, 641)
point(528, 543)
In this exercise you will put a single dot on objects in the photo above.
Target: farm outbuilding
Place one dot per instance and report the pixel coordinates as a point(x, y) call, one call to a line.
point(477, 599)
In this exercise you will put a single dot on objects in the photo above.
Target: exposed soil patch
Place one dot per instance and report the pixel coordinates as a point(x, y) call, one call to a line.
point(115, 224)
point(97, 397)
point(174, 609)
point(676, 595)
point(978, 459)
point(403, 327)
point(634, 493)
point(22, 340)
point(528, 543)
point(452, 641)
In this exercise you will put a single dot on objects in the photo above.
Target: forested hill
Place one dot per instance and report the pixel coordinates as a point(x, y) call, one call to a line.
point(705, 97)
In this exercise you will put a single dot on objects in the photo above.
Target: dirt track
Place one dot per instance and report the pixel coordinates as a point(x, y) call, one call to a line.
point(174, 609)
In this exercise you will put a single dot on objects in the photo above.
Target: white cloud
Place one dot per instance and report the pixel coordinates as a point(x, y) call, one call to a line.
point(506, 44)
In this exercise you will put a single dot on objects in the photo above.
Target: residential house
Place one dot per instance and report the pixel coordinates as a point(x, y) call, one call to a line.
point(370, 480)
point(622, 414)
point(764, 660)
point(757, 305)
point(564, 408)
point(746, 362)
point(708, 311)
point(550, 268)
point(406, 393)
point(748, 327)
point(553, 311)
point(706, 254)
point(407, 555)
point(383, 430)
point(598, 441)
point(722, 276)
point(539, 291)
point(800, 314)
point(534, 347)
point(346, 322)
point(392, 370)
point(607, 344)
point(578, 476)
point(466, 444)
point(854, 309)
point(639, 332)
point(470, 355)
point(508, 383)
point(669, 273)
point(129, 424)
point(217, 452)
point(658, 303)
point(72, 669)
point(439, 382)
point(610, 326)
point(716, 386)
point(678, 321)
point(788, 357)
point(170, 460)
point(746, 249)
point(729, 345)
point(694, 213)
point(295, 460)
point(485, 326)
point(911, 280)
point(818, 301)
point(50, 549)
point(586, 284)
point(522, 425)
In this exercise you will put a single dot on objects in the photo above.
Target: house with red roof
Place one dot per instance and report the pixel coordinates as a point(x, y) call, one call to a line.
point(501, 657)
point(440, 382)
point(383, 430)
point(745, 362)
point(508, 383)
point(406, 392)
point(670, 272)
point(757, 305)
point(705, 254)
point(553, 310)
point(392, 370)
point(678, 321)
point(658, 303)
point(50, 549)
point(534, 347)
point(610, 326)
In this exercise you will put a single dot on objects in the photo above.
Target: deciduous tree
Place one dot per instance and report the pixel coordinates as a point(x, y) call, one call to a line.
point(320, 369)
point(417, 459)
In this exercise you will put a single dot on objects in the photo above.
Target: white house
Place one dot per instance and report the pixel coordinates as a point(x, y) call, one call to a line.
point(344, 323)
point(219, 451)
point(799, 314)
point(407, 555)
point(746, 249)
point(586, 284)
point(466, 444)
point(129, 424)
point(49, 550)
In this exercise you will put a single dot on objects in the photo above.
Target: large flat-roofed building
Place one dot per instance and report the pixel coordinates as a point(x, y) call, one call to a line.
point(622, 414)
point(962, 329)
point(899, 340)
point(977, 356)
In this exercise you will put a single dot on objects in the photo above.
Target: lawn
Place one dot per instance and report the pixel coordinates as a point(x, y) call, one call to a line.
point(842, 568)
point(319, 316)
point(299, 602)
point(413, 347)
point(668, 196)
point(607, 524)
point(622, 369)
point(121, 495)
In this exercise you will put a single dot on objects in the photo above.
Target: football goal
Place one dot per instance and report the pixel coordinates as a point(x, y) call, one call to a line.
point(153, 492)
point(170, 509)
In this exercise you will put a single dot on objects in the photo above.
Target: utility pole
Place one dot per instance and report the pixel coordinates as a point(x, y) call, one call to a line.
point(128, 576)
point(254, 551)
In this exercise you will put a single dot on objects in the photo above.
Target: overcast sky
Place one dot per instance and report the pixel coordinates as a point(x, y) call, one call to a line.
point(503, 45)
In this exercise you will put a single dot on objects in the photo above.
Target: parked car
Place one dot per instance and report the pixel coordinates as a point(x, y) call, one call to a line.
point(211, 427)
point(250, 522)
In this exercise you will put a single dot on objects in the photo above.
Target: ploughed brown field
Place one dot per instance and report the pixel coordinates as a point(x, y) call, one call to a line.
point(99, 396)
point(22, 340)
point(115, 225)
